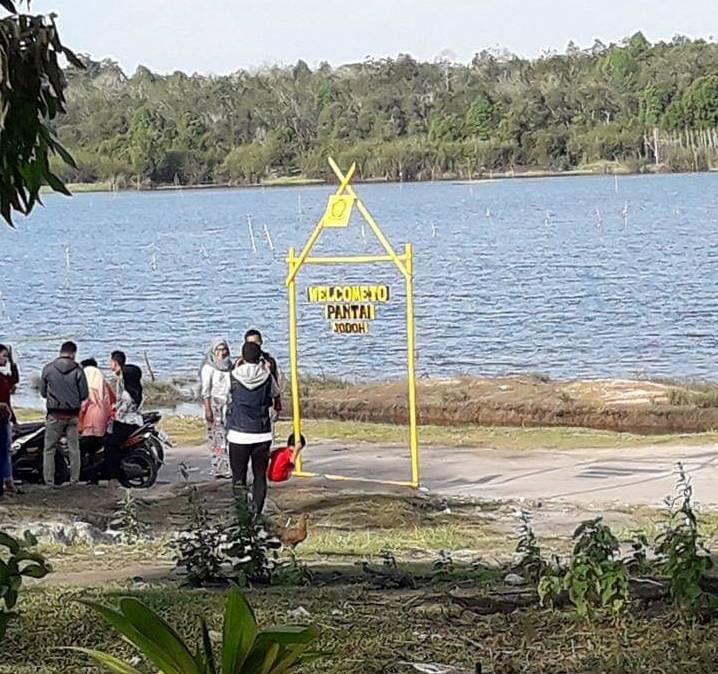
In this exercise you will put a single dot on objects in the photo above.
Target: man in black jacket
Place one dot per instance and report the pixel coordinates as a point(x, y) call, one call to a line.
point(270, 363)
point(253, 390)
point(64, 387)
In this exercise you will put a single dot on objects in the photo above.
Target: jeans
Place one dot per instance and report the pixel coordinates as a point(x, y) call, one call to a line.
point(5, 457)
point(55, 428)
point(239, 456)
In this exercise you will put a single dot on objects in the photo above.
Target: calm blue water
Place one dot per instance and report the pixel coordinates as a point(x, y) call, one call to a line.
point(569, 277)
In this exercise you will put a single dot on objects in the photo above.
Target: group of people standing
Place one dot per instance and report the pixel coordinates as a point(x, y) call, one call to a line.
point(241, 400)
point(80, 404)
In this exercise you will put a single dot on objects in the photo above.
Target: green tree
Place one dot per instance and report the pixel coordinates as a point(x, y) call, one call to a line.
point(699, 104)
point(651, 105)
point(150, 140)
point(480, 118)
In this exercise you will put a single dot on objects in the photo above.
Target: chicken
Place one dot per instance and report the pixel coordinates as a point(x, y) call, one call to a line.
point(293, 536)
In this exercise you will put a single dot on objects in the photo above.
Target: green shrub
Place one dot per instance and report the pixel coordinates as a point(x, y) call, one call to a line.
point(197, 547)
point(530, 564)
point(679, 547)
point(246, 545)
point(595, 576)
point(127, 520)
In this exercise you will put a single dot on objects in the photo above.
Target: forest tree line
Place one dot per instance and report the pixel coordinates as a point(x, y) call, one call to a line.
point(633, 103)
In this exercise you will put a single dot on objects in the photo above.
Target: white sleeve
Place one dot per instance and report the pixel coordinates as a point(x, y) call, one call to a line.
point(205, 377)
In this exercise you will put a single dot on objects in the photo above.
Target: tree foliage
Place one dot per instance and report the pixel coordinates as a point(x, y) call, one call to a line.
point(397, 118)
point(32, 86)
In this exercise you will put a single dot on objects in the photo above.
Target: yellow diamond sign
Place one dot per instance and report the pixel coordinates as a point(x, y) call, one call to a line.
point(339, 209)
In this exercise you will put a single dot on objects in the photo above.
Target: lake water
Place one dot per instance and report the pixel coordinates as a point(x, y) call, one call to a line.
point(571, 277)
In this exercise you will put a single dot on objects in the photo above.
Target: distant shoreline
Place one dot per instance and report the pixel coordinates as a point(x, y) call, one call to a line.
point(289, 181)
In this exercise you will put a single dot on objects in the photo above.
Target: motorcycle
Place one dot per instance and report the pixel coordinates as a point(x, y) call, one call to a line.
point(142, 455)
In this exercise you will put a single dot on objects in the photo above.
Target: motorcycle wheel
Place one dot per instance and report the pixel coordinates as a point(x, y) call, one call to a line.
point(146, 464)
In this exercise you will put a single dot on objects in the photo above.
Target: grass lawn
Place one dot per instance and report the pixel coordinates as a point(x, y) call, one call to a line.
point(368, 631)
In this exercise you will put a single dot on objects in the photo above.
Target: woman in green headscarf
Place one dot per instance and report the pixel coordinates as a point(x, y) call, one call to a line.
point(215, 387)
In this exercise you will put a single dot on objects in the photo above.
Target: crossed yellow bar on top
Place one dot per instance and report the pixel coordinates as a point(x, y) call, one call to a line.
point(345, 186)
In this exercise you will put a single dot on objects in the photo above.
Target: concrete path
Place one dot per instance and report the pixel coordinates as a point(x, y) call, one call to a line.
point(635, 476)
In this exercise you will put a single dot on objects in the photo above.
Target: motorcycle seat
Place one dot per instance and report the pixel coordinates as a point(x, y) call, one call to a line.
point(27, 428)
point(151, 417)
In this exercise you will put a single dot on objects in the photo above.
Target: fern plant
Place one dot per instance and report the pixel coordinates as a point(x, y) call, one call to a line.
point(244, 649)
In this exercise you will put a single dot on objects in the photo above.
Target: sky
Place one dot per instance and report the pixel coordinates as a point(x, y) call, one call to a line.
point(221, 36)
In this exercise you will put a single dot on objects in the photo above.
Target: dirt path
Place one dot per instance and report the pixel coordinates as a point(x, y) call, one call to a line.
point(634, 476)
point(558, 487)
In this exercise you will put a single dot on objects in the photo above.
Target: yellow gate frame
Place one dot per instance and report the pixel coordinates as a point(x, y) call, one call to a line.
point(404, 264)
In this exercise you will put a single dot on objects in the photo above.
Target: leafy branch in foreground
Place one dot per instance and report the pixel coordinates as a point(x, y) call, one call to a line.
point(245, 649)
point(32, 94)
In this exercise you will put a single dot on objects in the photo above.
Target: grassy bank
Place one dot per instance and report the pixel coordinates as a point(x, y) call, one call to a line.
point(634, 406)
point(628, 406)
point(191, 431)
point(502, 412)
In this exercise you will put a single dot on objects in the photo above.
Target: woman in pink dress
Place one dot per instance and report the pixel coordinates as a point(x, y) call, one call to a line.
point(96, 411)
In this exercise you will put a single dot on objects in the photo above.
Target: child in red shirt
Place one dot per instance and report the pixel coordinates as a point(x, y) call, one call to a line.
point(281, 460)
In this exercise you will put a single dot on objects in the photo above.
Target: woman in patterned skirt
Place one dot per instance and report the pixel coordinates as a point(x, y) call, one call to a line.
point(215, 381)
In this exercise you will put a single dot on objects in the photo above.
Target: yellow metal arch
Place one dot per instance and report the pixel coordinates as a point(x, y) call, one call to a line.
point(404, 263)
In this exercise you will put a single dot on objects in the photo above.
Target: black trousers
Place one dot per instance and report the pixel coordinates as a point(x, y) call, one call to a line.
point(113, 441)
point(239, 456)
point(89, 446)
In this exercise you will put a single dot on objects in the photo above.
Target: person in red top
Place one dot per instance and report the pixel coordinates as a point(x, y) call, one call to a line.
point(9, 379)
point(282, 460)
